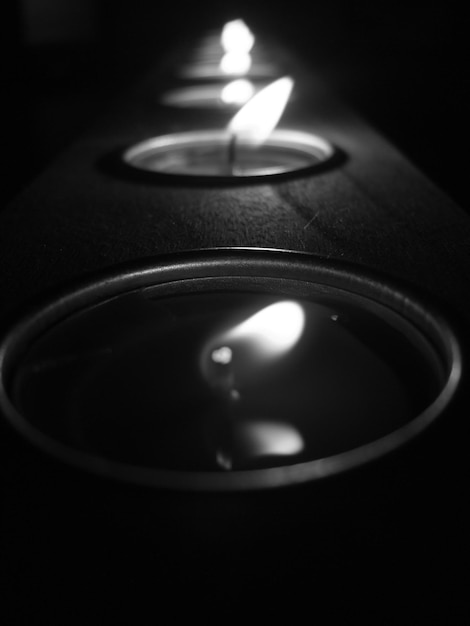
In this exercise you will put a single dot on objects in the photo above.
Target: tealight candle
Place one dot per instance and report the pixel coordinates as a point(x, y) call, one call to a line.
point(206, 153)
point(248, 147)
point(227, 369)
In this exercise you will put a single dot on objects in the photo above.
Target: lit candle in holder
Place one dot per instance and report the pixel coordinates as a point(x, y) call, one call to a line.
point(227, 370)
point(250, 145)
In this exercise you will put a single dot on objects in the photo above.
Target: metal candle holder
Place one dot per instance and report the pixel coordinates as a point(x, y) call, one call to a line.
point(148, 361)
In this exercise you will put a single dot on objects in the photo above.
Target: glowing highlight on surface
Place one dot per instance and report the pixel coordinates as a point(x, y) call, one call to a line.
point(266, 438)
point(223, 460)
point(222, 355)
point(237, 41)
point(255, 121)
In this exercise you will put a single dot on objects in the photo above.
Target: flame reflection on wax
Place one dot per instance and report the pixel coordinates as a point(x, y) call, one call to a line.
point(250, 346)
point(237, 37)
point(254, 122)
point(255, 439)
point(271, 331)
point(263, 438)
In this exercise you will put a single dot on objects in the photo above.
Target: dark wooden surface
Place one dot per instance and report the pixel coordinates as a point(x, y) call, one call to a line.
point(366, 545)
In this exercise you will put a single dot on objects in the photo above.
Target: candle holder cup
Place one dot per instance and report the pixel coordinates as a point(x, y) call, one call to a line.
point(228, 370)
point(208, 156)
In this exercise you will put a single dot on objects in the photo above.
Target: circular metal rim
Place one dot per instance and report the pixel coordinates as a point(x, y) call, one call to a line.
point(299, 141)
point(219, 263)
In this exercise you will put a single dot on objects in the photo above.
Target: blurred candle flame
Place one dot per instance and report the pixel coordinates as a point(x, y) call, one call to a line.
point(237, 37)
point(235, 63)
point(254, 122)
point(237, 41)
point(252, 439)
point(237, 91)
point(264, 437)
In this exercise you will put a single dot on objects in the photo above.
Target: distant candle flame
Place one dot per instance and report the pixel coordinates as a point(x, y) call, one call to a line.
point(248, 348)
point(237, 92)
point(237, 37)
point(237, 41)
point(258, 117)
point(235, 63)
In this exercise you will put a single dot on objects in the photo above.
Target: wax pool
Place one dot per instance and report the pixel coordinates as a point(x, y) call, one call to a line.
point(221, 382)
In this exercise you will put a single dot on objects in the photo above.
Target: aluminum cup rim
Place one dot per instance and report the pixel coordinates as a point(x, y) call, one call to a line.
point(298, 141)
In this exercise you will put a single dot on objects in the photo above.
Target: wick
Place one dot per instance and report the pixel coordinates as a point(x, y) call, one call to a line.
point(232, 152)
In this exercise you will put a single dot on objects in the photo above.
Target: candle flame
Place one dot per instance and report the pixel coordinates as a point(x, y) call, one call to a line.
point(237, 91)
point(254, 122)
point(237, 37)
point(237, 41)
point(235, 63)
point(235, 361)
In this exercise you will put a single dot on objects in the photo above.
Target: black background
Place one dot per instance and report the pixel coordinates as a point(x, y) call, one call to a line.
point(401, 65)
